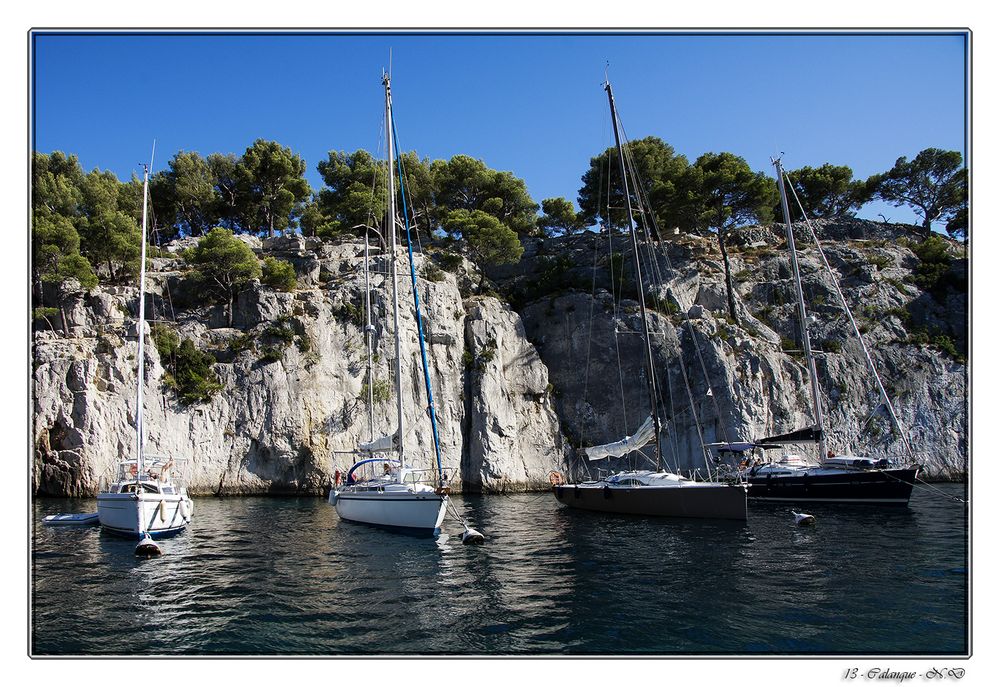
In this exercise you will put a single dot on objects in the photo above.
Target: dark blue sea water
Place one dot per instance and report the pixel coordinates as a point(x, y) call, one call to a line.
point(286, 576)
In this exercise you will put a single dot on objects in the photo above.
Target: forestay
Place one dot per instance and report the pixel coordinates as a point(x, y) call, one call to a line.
point(642, 436)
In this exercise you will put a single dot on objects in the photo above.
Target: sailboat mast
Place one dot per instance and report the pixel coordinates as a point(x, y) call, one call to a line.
point(391, 227)
point(369, 330)
point(140, 331)
point(807, 347)
point(650, 378)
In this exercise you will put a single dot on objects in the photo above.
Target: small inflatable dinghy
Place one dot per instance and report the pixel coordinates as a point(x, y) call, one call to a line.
point(71, 519)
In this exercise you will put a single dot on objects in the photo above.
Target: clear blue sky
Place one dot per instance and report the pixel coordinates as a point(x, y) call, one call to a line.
point(532, 104)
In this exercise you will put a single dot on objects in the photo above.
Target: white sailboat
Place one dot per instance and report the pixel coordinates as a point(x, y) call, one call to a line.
point(648, 492)
point(143, 501)
point(383, 488)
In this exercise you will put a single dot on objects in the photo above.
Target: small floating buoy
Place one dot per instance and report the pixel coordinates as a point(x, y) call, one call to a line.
point(472, 536)
point(804, 518)
point(147, 547)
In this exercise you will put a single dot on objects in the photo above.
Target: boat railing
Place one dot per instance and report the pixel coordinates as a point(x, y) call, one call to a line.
point(429, 476)
point(157, 468)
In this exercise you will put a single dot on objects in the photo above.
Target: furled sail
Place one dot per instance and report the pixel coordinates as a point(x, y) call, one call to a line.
point(642, 436)
point(388, 442)
point(799, 436)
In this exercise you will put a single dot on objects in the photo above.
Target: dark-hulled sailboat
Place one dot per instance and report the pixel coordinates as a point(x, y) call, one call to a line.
point(831, 477)
point(648, 492)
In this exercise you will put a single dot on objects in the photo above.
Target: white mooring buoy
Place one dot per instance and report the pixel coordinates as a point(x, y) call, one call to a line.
point(472, 536)
point(147, 547)
point(804, 518)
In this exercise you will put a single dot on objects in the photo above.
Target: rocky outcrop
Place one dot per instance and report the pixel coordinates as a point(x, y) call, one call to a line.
point(520, 383)
point(513, 438)
point(286, 423)
point(726, 380)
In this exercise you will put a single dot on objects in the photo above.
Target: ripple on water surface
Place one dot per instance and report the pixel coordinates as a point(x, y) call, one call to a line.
point(286, 576)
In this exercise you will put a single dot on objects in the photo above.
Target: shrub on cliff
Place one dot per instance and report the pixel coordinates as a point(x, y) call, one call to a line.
point(188, 370)
point(278, 274)
point(222, 266)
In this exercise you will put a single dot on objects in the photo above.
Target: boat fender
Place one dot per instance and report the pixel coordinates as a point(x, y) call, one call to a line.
point(147, 547)
point(332, 498)
point(472, 536)
point(163, 510)
point(607, 492)
point(576, 491)
point(804, 519)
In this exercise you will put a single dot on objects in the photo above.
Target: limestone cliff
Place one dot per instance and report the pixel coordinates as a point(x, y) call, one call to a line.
point(518, 386)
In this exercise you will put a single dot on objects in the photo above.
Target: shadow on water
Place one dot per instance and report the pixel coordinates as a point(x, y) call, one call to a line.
point(287, 576)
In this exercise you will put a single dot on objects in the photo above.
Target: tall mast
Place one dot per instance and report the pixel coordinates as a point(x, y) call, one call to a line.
point(369, 331)
point(807, 347)
point(140, 330)
point(650, 379)
point(391, 227)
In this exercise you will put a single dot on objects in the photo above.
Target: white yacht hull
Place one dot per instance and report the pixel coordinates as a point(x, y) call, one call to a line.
point(403, 508)
point(155, 514)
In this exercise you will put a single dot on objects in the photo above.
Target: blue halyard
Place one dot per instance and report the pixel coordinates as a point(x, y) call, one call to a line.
point(416, 307)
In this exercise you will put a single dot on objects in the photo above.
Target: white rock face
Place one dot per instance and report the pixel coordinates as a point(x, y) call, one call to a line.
point(744, 383)
point(285, 426)
point(514, 391)
point(514, 440)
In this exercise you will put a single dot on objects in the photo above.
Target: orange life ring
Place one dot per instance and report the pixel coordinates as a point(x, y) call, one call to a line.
point(134, 470)
point(555, 478)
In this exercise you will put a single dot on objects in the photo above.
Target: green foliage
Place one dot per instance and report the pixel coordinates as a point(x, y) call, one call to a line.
point(827, 191)
point(109, 235)
point(490, 241)
point(166, 340)
point(665, 305)
point(432, 272)
point(55, 246)
point(381, 392)
point(187, 370)
point(831, 345)
point(559, 217)
point(932, 273)
point(353, 194)
point(45, 314)
point(449, 261)
point(349, 312)
point(934, 184)
point(879, 261)
point(184, 195)
point(271, 185)
point(466, 184)
point(271, 354)
point(278, 274)
point(281, 332)
point(659, 170)
point(482, 357)
point(958, 225)
point(923, 336)
point(222, 265)
point(720, 192)
point(241, 342)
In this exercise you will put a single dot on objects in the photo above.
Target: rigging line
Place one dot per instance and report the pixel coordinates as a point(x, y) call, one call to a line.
point(857, 332)
point(644, 198)
point(416, 307)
